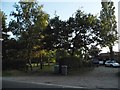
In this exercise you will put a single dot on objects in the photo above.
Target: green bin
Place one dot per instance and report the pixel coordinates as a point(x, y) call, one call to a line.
point(56, 69)
point(64, 69)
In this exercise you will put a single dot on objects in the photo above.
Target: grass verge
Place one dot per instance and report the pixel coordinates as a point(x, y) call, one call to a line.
point(46, 71)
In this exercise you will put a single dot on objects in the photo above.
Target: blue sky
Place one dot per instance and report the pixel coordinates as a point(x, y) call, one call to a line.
point(63, 8)
point(66, 9)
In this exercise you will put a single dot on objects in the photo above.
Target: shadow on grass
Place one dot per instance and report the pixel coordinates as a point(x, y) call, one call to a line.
point(46, 71)
point(35, 72)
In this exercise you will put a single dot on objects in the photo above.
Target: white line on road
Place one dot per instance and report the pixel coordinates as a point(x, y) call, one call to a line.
point(64, 86)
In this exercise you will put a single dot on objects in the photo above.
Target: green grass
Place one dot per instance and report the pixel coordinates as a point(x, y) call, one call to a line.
point(47, 70)
point(35, 64)
point(13, 73)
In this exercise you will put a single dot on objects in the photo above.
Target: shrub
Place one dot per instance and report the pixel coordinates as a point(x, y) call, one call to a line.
point(87, 63)
point(71, 61)
point(13, 64)
point(74, 62)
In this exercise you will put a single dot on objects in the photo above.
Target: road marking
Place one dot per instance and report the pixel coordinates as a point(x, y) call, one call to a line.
point(62, 86)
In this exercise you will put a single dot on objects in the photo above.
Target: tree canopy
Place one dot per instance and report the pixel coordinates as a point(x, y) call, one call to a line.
point(108, 30)
point(28, 24)
point(39, 36)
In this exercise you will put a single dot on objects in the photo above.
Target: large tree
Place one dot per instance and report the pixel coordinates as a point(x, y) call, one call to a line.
point(84, 29)
point(27, 27)
point(8, 44)
point(5, 36)
point(72, 37)
point(108, 30)
point(56, 37)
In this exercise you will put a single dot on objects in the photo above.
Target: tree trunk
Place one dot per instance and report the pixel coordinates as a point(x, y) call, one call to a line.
point(72, 52)
point(48, 62)
point(111, 53)
point(41, 63)
point(60, 66)
point(37, 64)
point(30, 65)
point(29, 60)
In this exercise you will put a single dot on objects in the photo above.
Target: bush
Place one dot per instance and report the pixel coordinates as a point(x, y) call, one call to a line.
point(13, 64)
point(71, 61)
point(74, 62)
point(87, 63)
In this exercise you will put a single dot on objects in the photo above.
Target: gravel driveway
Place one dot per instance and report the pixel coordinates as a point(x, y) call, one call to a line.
point(100, 77)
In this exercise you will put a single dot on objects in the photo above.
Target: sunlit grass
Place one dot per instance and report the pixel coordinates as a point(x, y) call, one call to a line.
point(38, 65)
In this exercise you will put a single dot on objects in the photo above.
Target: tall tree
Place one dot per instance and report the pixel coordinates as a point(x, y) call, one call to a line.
point(7, 44)
point(75, 34)
point(4, 27)
point(56, 37)
point(84, 32)
point(5, 36)
point(108, 30)
point(29, 23)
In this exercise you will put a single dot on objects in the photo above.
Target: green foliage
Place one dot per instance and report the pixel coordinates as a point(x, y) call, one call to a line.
point(5, 42)
point(56, 35)
point(84, 33)
point(4, 28)
point(71, 61)
point(94, 52)
point(108, 30)
point(75, 62)
point(41, 39)
point(59, 34)
point(8, 64)
point(11, 57)
point(29, 23)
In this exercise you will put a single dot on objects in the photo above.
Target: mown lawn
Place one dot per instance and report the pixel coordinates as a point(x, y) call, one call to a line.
point(35, 72)
point(47, 70)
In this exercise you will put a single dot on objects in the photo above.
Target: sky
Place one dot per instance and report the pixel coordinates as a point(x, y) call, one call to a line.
point(64, 9)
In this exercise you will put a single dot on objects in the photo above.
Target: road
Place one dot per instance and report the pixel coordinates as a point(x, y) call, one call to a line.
point(7, 84)
point(22, 84)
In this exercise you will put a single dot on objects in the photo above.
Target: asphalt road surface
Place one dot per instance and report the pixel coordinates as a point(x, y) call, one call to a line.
point(22, 84)
point(7, 84)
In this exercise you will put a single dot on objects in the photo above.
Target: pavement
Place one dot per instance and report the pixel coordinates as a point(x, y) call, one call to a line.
point(100, 78)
